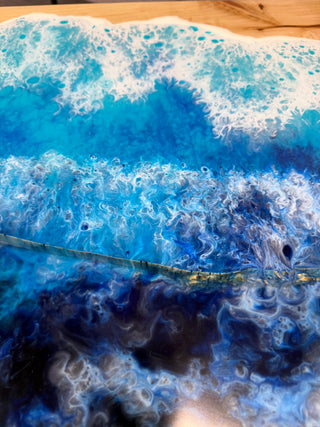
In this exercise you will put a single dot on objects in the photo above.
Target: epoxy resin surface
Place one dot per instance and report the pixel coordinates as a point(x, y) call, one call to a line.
point(176, 144)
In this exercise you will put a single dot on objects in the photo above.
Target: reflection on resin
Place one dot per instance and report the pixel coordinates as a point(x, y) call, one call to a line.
point(96, 344)
point(174, 144)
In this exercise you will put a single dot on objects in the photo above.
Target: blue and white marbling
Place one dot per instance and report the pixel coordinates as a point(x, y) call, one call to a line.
point(177, 144)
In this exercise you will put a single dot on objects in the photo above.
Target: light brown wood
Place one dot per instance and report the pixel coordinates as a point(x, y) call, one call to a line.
point(299, 18)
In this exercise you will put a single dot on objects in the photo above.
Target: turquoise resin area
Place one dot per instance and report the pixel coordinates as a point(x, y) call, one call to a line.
point(175, 144)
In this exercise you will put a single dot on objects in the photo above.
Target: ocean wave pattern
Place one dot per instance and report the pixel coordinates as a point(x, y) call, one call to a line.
point(74, 69)
point(172, 143)
point(88, 59)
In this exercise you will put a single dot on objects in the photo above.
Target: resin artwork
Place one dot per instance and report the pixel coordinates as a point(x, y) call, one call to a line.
point(159, 225)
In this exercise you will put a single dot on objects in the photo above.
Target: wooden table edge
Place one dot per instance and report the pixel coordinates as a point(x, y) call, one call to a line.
point(290, 18)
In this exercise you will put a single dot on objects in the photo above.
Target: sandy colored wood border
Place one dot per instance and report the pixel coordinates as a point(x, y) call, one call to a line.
point(298, 18)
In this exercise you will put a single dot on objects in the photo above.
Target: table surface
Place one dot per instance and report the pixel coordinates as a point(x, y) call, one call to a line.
point(298, 18)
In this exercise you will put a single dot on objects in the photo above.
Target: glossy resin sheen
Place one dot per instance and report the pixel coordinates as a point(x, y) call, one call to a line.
point(176, 144)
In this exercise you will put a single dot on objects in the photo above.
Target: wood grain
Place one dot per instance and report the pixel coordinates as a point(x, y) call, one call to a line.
point(299, 18)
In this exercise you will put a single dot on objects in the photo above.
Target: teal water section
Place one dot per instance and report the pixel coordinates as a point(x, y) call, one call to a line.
point(169, 125)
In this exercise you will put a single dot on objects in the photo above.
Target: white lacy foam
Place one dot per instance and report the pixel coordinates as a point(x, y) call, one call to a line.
point(279, 74)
